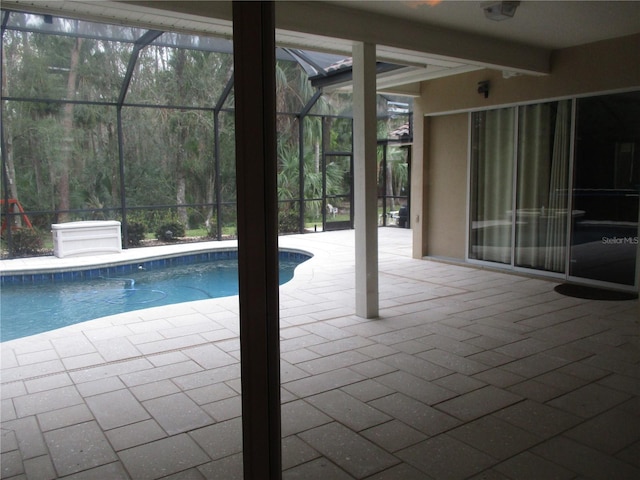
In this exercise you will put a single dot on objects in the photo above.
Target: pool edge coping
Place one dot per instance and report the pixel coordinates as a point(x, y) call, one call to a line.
point(49, 265)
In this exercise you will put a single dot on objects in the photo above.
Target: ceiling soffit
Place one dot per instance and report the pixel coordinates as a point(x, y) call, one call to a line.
point(429, 51)
point(323, 26)
point(398, 39)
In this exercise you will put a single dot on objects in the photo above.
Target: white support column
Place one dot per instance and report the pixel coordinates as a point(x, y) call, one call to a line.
point(365, 188)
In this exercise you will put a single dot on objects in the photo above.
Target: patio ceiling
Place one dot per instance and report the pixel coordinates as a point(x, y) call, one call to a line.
point(430, 38)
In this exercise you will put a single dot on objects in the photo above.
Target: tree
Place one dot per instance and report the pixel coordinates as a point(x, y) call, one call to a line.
point(9, 55)
point(62, 178)
point(64, 144)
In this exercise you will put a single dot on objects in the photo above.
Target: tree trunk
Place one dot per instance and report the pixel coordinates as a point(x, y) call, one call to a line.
point(10, 171)
point(181, 128)
point(112, 146)
point(66, 159)
point(389, 186)
point(181, 195)
point(210, 200)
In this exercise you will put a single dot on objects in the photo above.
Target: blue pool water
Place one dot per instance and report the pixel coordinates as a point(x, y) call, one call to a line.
point(31, 308)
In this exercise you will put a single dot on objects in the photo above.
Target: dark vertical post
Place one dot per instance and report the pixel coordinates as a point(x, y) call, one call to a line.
point(121, 170)
point(216, 134)
point(409, 147)
point(323, 165)
point(216, 178)
point(385, 146)
point(301, 173)
point(6, 209)
point(143, 41)
point(254, 77)
point(301, 116)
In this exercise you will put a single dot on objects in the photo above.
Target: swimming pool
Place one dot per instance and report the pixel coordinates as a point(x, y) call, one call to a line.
point(37, 303)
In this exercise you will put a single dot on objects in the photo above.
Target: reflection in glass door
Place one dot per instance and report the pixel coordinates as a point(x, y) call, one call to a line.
point(525, 214)
point(604, 241)
point(492, 159)
point(544, 140)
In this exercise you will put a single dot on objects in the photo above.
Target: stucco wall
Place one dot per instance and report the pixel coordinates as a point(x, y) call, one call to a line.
point(599, 67)
point(447, 186)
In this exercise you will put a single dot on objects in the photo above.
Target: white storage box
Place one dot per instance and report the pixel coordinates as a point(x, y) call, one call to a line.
point(75, 239)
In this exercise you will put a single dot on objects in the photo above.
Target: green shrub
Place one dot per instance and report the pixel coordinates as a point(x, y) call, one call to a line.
point(135, 233)
point(26, 242)
point(152, 219)
point(288, 222)
point(212, 227)
point(168, 232)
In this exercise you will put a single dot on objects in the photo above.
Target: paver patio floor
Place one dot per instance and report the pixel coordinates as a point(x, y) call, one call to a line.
point(468, 373)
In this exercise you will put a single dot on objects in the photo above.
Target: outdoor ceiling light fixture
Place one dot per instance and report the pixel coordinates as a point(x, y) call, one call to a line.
point(483, 88)
point(499, 10)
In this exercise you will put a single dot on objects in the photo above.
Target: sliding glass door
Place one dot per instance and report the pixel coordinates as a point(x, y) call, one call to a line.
point(604, 240)
point(493, 148)
point(523, 163)
point(544, 140)
point(532, 208)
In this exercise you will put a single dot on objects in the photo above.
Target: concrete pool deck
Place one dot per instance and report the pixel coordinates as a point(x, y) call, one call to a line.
point(50, 263)
point(468, 373)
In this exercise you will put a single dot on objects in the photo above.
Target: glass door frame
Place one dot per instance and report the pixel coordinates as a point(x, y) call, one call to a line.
point(571, 232)
point(511, 266)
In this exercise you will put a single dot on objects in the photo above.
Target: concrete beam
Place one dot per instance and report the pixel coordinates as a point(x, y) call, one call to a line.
point(335, 21)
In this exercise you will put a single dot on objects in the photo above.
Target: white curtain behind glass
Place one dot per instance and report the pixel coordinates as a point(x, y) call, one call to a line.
point(559, 191)
point(493, 153)
point(543, 158)
point(534, 160)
